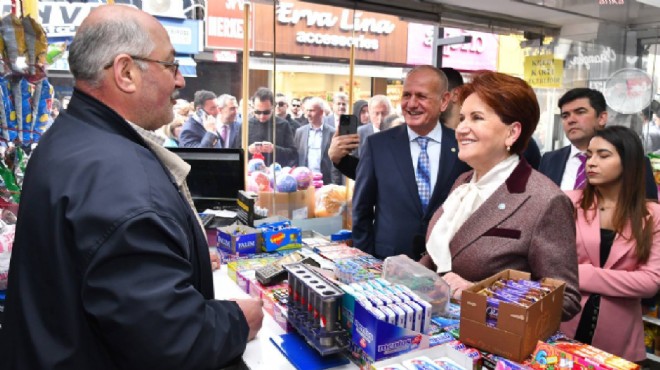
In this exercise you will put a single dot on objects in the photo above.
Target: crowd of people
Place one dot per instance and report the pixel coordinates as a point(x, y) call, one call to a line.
point(110, 256)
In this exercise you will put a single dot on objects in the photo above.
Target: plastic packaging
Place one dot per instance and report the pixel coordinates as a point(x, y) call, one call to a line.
point(422, 281)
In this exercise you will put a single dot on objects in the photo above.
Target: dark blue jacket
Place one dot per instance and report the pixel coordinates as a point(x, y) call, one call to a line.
point(387, 213)
point(110, 267)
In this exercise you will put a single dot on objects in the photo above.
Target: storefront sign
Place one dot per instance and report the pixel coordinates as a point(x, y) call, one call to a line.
point(229, 56)
point(59, 19)
point(346, 22)
point(303, 28)
point(481, 53)
point(224, 25)
point(544, 71)
point(606, 56)
point(184, 35)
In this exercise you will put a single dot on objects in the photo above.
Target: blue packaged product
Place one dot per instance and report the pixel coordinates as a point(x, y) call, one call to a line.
point(418, 318)
point(421, 363)
point(400, 315)
point(409, 315)
point(391, 316)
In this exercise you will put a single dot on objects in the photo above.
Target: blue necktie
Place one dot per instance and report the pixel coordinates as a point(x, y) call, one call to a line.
point(423, 174)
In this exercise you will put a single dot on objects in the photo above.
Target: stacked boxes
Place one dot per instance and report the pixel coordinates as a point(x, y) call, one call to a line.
point(239, 239)
point(278, 236)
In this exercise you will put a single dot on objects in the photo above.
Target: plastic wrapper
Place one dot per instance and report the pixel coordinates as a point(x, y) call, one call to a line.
point(20, 127)
point(330, 200)
point(7, 113)
point(13, 35)
point(55, 51)
point(424, 282)
point(42, 98)
point(36, 46)
point(7, 233)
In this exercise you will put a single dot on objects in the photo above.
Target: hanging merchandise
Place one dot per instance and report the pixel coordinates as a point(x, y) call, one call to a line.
point(25, 93)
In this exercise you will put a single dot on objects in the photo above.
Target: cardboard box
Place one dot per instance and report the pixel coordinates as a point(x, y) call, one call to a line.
point(380, 340)
point(246, 241)
point(518, 328)
point(443, 350)
point(296, 205)
point(280, 240)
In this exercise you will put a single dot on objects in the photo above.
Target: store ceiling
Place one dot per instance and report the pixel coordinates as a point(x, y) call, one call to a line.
point(546, 17)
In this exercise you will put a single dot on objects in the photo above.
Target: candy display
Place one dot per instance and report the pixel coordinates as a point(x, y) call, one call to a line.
point(256, 164)
point(303, 176)
point(286, 183)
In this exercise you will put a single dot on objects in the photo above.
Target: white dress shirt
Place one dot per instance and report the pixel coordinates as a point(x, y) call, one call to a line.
point(314, 152)
point(433, 149)
point(570, 172)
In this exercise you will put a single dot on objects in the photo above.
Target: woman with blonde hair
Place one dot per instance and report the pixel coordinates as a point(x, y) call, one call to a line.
point(172, 131)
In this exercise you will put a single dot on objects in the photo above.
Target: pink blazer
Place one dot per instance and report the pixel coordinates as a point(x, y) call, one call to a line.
point(622, 282)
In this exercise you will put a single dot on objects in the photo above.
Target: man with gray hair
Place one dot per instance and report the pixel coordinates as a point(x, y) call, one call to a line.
point(229, 130)
point(313, 141)
point(339, 107)
point(379, 107)
point(110, 267)
point(200, 130)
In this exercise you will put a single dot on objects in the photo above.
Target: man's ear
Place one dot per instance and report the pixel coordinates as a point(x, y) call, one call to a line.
point(454, 96)
point(124, 73)
point(602, 119)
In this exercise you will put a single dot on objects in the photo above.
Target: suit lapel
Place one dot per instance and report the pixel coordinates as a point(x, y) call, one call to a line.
point(495, 210)
point(303, 143)
point(620, 247)
point(403, 160)
point(588, 231)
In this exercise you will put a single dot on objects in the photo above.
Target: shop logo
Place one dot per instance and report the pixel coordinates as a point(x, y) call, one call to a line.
point(608, 55)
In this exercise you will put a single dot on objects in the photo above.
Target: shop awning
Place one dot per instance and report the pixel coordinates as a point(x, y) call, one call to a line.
point(187, 66)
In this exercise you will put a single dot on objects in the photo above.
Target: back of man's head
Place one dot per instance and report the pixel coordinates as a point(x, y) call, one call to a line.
point(102, 37)
point(454, 78)
point(202, 96)
point(596, 98)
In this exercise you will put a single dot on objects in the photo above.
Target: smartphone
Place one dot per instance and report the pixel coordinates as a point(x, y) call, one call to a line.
point(348, 124)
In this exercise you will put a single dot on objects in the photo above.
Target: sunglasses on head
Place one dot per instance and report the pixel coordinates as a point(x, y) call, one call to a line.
point(262, 112)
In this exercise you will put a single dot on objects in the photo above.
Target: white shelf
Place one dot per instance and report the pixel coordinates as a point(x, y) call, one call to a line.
point(652, 357)
point(651, 320)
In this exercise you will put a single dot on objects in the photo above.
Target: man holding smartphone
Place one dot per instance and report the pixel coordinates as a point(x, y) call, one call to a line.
point(264, 129)
point(199, 130)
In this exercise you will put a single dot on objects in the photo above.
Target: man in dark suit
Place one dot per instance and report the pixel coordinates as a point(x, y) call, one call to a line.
point(228, 129)
point(583, 112)
point(339, 107)
point(379, 107)
point(313, 140)
point(199, 130)
point(261, 130)
point(390, 216)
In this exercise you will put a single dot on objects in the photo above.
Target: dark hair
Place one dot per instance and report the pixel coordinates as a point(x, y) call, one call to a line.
point(631, 204)
point(263, 94)
point(512, 99)
point(596, 98)
point(202, 96)
point(454, 78)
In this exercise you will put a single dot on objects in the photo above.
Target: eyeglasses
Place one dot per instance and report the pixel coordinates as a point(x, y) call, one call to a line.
point(174, 65)
point(260, 112)
point(281, 104)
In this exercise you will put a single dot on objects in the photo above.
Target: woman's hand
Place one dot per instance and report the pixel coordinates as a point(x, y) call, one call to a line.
point(457, 284)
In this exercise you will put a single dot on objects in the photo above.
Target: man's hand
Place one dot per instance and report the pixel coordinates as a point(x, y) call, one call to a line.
point(457, 284)
point(266, 147)
point(255, 148)
point(209, 124)
point(342, 145)
point(253, 314)
point(215, 259)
